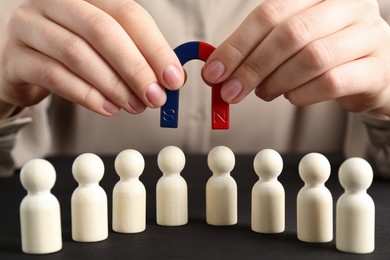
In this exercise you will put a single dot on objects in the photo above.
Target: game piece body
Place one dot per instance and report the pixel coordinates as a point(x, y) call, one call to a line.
point(219, 108)
point(89, 200)
point(129, 194)
point(40, 216)
point(355, 209)
point(268, 196)
point(171, 188)
point(314, 200)
point(221, 188)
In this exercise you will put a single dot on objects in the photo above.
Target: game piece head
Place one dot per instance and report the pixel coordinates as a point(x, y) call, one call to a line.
point(129, 163)
point(88, 168)
point(221, 159)
point(355, 174)
point(314, 168)
point(268, 164)
point(38, 175)
point(171, 160)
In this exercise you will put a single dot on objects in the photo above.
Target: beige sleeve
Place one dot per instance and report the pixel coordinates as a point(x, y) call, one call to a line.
point(34, 140)
point(378, 151)
point(8, 132)
point(368, 136)
point(24, 136)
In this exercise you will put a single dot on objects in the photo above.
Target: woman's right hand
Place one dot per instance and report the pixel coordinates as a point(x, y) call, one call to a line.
point(103, 55)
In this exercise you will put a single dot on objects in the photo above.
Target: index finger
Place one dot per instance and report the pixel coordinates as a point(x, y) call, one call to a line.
point(123, 33)
point(147, 38)
point(251, 32)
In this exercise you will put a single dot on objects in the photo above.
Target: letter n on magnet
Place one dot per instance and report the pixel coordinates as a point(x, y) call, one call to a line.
point(219, 109)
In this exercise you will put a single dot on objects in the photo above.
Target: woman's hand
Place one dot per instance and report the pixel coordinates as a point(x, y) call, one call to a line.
point(309, 51)
point(103, 55)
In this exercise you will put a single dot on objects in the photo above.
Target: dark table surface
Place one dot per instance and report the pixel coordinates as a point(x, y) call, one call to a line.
point(196, 240)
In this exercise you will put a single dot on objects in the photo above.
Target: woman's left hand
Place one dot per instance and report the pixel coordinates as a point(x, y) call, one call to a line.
point(309, 51)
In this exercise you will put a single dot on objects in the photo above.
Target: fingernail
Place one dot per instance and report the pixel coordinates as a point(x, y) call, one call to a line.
point(173, 77)
point(156, 95)
point(214, 71)
point(136, 104)
point(231, 89)
point(110, 107)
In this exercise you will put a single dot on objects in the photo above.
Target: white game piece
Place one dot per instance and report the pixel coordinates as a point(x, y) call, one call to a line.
point(355, 209)
point(314, 200)
point(171, 188)
point(129, 194)
point(40, 216)
point(268, 196)
point(89, 200)
point(221, 188)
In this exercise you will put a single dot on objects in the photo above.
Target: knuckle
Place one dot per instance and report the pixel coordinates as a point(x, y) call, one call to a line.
point(51, 74)
point(137, 73)
point(332, 83)
point(116, 92)
point(18, 15)
point(382, 28)
point(316, 56)
point(270, 14)
point(234, 49)
point(130, 10)
point(294, 32)
point(159, 52)
point(100, 26)
point(85, 98)
point(366, 8)
point(72, 50)
point(368, 5)
point(253, 71)
point(15, 18)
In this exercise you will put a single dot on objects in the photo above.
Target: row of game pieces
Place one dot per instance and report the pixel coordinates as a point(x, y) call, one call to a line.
point(40, 210)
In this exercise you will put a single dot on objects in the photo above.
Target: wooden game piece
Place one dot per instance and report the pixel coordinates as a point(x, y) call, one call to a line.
point(89, 200)
point(355, 209)
point(221, 188)
point(314, 200)
point(40, 216)
point(171, 188)
point(129, 194)
point(268, 196)
point(219, 108)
